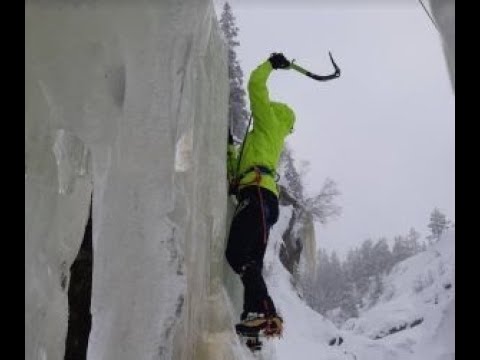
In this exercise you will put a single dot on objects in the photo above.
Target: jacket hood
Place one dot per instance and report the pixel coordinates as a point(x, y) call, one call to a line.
point(284, 114)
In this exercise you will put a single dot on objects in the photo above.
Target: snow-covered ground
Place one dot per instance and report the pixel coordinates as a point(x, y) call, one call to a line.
point(306, 333)
point(417, 310)
point(419, 301)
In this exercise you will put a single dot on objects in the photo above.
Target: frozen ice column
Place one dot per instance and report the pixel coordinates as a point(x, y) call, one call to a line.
point(131, 98)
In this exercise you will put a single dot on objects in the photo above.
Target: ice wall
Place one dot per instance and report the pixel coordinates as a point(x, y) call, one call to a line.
point(443, 12)
point(128, 100)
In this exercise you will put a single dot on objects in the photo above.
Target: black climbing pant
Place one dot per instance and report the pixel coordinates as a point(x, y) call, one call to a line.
point(247, 243)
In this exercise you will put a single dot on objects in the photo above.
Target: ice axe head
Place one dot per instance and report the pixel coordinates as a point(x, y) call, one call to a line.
point(303, 71)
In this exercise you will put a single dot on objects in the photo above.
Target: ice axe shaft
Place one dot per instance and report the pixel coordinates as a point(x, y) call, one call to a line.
point(303, 71)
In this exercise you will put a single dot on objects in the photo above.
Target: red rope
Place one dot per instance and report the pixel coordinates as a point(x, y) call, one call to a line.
point(263, 215)
point(264, 226)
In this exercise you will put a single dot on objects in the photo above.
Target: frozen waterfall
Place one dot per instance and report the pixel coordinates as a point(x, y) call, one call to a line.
point(128, 101)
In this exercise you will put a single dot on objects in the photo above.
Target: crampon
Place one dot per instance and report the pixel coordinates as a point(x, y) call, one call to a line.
point(252, 332)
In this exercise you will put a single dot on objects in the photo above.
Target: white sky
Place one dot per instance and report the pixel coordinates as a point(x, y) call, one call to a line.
point(384, 131)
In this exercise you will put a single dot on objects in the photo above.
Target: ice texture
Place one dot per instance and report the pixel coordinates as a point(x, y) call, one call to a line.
point(443, 12)
point(127, 100)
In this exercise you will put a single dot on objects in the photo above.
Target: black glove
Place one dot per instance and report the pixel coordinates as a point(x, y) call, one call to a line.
point(233, 189)
point(279, 61)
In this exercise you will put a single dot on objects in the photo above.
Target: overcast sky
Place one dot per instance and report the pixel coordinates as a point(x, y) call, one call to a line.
point(384, 131)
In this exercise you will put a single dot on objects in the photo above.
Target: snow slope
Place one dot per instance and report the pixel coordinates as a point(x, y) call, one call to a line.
point(417, 310)
point(307, 334)
point(421, 287)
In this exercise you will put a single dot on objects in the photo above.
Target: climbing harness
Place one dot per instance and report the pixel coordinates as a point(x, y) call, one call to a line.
point(263, 170)
point(258, 169)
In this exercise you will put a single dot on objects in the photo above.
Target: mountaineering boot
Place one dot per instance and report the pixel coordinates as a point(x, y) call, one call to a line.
point(274, 326)
point(253, 343)
point(255, 324)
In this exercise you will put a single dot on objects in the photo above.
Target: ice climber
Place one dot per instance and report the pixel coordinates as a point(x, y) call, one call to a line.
point(252, 177)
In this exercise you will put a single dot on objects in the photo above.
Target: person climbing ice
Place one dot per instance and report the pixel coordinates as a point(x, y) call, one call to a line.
point(253, 180)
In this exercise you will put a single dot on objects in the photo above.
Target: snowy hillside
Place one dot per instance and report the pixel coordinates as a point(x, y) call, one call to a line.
point(306, 333)
point(414, 320)
point(417, 310)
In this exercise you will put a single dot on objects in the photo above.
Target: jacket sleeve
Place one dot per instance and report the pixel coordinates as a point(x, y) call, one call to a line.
point(231, 162)
point(258, 94)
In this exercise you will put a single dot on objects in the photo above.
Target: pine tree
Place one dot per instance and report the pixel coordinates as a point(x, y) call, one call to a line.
point(412, 240)
point(401, 249)
point(338, 279)
point(438, 224)
point(326, 296)
point(382, 257)
point(377, 290)
point(423, 247)
point(348, 304)
point(366, 268)
point(237, 112)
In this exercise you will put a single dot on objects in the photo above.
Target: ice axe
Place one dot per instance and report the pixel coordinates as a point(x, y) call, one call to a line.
point(303, 71)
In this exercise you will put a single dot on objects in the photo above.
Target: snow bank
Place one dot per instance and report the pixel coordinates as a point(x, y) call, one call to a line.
point(414, 320)
point(416, 312)
point(307, 334)
point(306, 331)
point(128, 100)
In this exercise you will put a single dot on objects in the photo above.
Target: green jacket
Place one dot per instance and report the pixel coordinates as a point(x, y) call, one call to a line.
point(272, 122)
